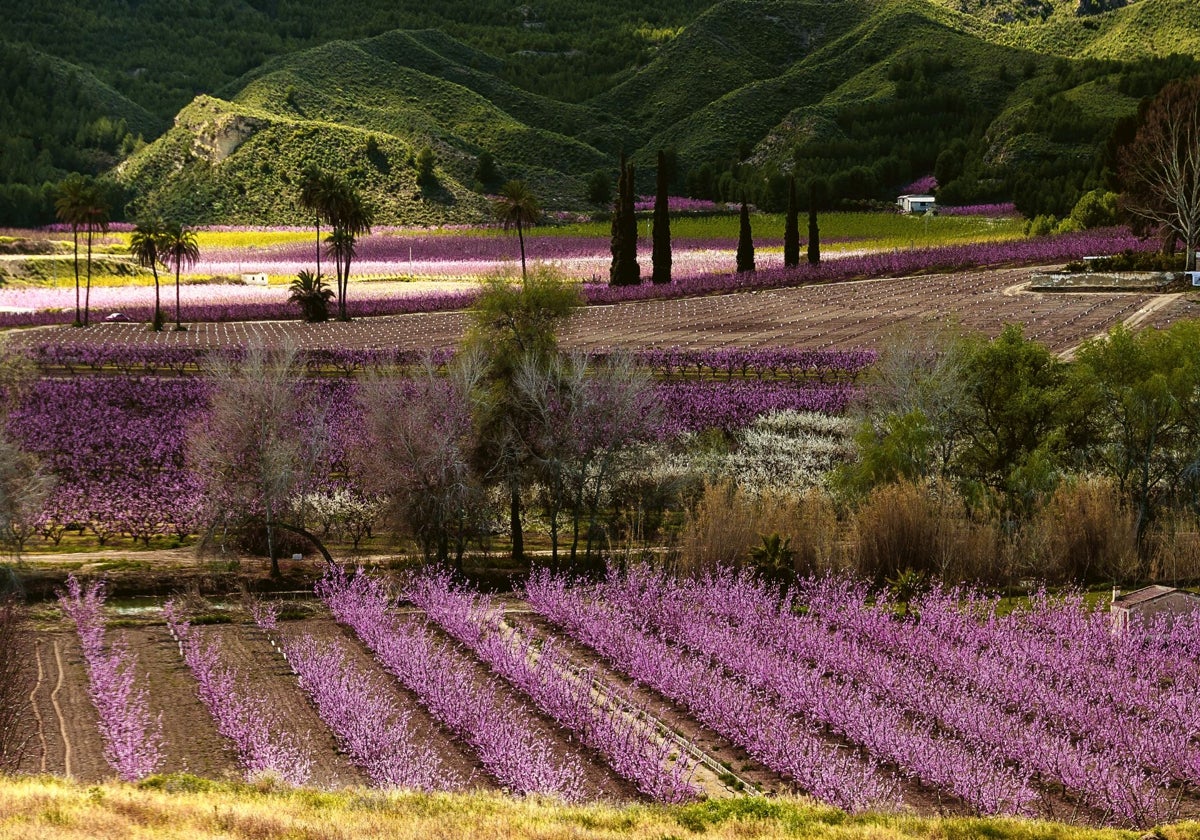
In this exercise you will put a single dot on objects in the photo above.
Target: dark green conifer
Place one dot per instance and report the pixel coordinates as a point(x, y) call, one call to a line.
point(745, 248)
point(625, 270)
point(791, 230)
point(662, 224)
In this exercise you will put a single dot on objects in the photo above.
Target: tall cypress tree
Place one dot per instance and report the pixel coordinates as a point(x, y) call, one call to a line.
point(662, 223)
point(815, 191)
point(745, 248)
point(791, 229)
point(625, 270)
point(618, 229)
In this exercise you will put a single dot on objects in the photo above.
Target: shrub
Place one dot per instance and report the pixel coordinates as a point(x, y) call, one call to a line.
point(910, 527)
point(729, 524)
point(1084, 533)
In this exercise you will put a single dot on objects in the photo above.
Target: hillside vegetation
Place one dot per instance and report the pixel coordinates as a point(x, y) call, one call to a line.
point(187, 807)
point(999, 100)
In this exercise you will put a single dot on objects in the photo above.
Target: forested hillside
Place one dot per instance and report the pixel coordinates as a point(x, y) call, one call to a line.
point(1004, 100)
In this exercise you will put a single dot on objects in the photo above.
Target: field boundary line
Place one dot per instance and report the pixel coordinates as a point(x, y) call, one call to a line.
point(62, 723)
point(37, 713)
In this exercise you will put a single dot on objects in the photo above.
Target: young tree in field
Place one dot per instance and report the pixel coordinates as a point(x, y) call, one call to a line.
point(148, 245)
point(791, 228)
point(312, 295)
point(624, 270)
point(516, 207)
point(1148, 388)
point(661, 254)
point(509, 324)
point(69, 206)
point(1160, 169)
point(16, 680)
point(745, 246)
point(258, 445)
point(417, 455)
point(180, 249)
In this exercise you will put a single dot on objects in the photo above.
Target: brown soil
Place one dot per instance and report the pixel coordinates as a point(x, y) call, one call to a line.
point(66, 740)
point(717, 746)
point(456, 756)
point(191, 741)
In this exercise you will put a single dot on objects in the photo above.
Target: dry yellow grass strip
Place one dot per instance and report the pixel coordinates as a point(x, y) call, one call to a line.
point(186, 807)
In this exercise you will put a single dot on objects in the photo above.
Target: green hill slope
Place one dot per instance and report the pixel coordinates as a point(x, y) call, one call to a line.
point(57, 118)
point(365, 109)
point(1001, 99)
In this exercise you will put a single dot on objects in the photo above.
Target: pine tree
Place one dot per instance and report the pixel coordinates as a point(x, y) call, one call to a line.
point(791, 230)
point(745, 248)
point(662, 224)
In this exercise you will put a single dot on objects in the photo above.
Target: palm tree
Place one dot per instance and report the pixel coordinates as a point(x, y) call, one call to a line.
point(517, 207)
point(319, 193)
point(350, 218)
point(148, 246)
point(68, 206)
point(94, 213)
point(310, 291)
point(180, 248)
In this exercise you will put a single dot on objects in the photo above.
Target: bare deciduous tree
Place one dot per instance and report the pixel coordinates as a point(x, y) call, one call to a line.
point(417, 455)
point(24, 488)
point(1160, 169)
point(258, 445)
point(578, 424)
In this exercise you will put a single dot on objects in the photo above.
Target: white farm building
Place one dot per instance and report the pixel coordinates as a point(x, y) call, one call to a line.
point(916, 203)
point(1149, 604)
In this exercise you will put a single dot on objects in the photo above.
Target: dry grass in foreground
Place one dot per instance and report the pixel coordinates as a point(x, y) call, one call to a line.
point(187, 807)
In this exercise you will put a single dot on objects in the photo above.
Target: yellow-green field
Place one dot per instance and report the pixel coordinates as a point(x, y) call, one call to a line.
point(186, 807)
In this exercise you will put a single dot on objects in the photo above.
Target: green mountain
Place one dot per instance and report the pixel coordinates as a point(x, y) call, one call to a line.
point(57, 118)
point(1002, 99)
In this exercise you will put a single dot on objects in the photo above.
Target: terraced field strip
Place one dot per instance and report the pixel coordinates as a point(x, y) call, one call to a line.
point(834, 315)
point(714, 778)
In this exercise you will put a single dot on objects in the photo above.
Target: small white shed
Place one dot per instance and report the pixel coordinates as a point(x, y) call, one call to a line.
point(1149, 603)
point(916, 203)
point(257, 279)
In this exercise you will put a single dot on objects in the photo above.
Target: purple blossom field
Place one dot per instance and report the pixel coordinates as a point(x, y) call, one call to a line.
point(116, 443)
point(704, 272)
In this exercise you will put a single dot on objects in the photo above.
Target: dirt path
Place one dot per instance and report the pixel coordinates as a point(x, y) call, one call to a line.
point(1146, 314)
point(68, 739)
point(456, 756)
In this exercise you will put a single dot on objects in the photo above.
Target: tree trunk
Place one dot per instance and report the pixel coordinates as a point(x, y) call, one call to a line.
point(518, 537)
point(521, 239)
point(87, 297)
point(178, 317)
point(75, 232)
point(157, 304)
